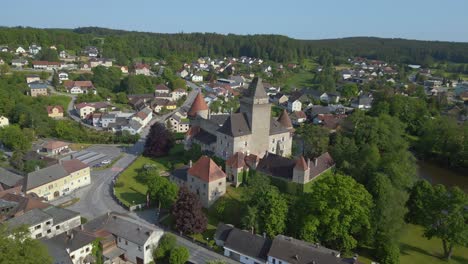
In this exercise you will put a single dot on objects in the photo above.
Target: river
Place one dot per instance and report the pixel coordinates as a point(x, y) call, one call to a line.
point(436, 174)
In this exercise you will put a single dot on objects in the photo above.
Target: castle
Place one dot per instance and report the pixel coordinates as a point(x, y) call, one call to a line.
point(251, 130)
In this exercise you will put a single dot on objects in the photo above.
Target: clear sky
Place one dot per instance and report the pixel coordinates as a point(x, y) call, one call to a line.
point(304, 19)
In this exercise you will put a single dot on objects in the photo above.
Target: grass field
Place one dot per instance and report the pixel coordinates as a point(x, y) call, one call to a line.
point(128, 188)
point(415, 249)
point(300, 80)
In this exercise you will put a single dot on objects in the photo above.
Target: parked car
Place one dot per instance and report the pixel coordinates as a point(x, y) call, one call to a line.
point(105, 162)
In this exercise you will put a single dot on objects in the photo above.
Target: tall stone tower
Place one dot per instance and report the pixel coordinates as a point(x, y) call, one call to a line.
point(256, 107)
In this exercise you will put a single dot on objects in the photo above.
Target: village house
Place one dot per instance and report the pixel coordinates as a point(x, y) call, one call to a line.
point(204, 178)
point(9, 179)
point(197, 78)
point(63, 76)
point(247, 248)
point(4, 121)
point(94, 62)
point(143, 116)
point(182, 73)
point(298, 118)
point(30, 78)
point(18, 63)
point(80, 87)
point(45, 65)
point(250, 130)
point(279, 98)
point(73, 247)
point(294, 105)
point(55, 147)
point(13, 202)
point(38, 89)
point(91, 51)
point(55, 111)
point(142, 69)
point(178, 122)
point(34, 49)
point(20, 50)
point(47, 222)
point(58, 180)
point(178, 93)
point(124, 238)
point(329, 121)
point(363, 102)
point(85, 109)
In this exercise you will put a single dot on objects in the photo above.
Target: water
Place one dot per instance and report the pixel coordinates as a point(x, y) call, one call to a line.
point(439, 175)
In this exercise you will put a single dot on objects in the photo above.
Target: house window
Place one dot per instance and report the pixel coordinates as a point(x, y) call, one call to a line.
point(57, 227)
point(273, 141)
point(220, 183)
point(147, 247)
point(274, 261)
point(39, 235)
point(204, 185)
point(49, 231)
point(120, 240)
point(282, 139)
point(47, 223)
point(87, 249)
point(139, 248)
point(72, 256)
point(192, 179)
point(37, 227)
point(126, 242)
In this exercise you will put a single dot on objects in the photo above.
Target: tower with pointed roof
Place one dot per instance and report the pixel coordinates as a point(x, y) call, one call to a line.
point(301, 171)
point(257, 109)
point(199, 107)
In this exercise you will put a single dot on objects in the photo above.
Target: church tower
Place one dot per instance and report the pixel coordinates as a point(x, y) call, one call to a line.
point(255, 105)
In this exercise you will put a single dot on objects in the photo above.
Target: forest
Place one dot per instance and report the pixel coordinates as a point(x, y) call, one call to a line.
point(125, 45)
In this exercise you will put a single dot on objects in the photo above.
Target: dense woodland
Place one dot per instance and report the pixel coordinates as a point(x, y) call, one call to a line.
point(125, 45)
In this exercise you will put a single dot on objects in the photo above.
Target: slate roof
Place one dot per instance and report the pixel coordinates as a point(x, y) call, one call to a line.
point(277, 128)
point(324, 162)
point(206, 170)
point(248, 244)
point(121, 226)
point(277, 166)
point(29, 218)
point(9, 178)
point(60, 215)
point(236, 125)
point(295, 251)
point(58, 245)
point(53, 173)
point(284, 119)
point(180, 173)
point(222, 231)
point(37, 85)
point(256, 89)
point(204, 137)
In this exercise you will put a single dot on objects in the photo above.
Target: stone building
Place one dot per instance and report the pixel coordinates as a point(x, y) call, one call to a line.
point(251, 130)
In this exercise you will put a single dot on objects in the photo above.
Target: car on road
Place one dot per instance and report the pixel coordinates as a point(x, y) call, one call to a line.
point(105, 162)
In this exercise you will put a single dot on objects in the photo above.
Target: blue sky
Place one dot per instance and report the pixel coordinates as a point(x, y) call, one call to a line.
point(304, 19)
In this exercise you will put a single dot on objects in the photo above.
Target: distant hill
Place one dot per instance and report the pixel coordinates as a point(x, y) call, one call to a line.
point(125, 45)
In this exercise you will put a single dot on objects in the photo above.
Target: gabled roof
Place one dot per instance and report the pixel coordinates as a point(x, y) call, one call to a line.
point(206, 170)
point(235, 126)
point(198, 104)
point(81, 84)
point(9, 178)
point(277, 128)
point(248, 244)
point(53, 173)
point(55, 144)
point(73, 241)
point(161, 88)
point(321, 164)
point(30, 218)
point(295, 251)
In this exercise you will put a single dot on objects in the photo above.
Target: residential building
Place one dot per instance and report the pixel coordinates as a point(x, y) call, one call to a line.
point(330, 121)
point(20, 50)
point(197, 78)
point(91, 51)
point(204, 178)
point(144, 116)
point(47, 222)
point(63, 76)
point(4, 121)
point(55, 111)
point(94, 62)
point(45, 65)
point(55, 147)
point(14, 203)
point(182, 73)
point(34, 49)
point(9, 179)
point(123, 237)
point(250, 130)
point(298, 117)
point(362, 102)
point(142, 69)
point(71, 247)
point(294, 105)
point(85, 109)
point(124, 69)
point(38, 89)
point(30, 78)
point(178, 93)
point(80, 87)
point(19, 62)
point(178, 122)
point(59, 179)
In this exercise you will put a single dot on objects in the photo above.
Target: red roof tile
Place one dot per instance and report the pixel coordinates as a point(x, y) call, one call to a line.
point(236, 160)
point(55, 144)
point(206, 170)
point(50, 108)
point(301, 164)
point(285, 120)
point(73, 165)
point(199, 104)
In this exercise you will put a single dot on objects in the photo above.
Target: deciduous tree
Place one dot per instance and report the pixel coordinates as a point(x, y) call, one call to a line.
point(159, 141)
point(188, 213)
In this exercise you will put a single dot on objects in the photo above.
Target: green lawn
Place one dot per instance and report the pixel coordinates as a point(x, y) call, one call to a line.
point(231, 208)
point(414, 248)
point(300, 80)
point(129, 189)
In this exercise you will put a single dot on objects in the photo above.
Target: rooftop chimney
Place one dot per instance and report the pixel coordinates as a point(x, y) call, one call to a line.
point(308, 163)
point(81, 227)
point(190, 164)
point(315, 162)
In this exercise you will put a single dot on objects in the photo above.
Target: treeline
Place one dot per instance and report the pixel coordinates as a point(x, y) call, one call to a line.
point(125, 45)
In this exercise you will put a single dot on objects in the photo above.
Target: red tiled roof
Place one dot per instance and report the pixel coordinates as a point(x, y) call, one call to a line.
point(50, 108)
point(206, 170)
point(300, 114)
point(236, 160)
point(199, 104)
point(301, 164)
point(73, 165)
point(331, 121)
point(140, 66)
point(55, 144)
point(285, 120)
point(161, 87)
point(81, 84)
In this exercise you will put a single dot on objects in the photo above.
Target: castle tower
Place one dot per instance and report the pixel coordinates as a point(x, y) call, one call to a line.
point(285, 120)
point(256, 107)
point(301, 171)
point(199, 107)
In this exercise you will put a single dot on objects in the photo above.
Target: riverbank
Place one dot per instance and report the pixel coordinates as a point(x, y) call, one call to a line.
point(436, 174)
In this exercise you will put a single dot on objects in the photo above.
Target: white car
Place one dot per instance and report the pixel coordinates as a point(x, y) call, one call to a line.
point(105, 162)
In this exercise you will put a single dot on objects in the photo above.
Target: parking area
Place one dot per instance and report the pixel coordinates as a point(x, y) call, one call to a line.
point(97, 155)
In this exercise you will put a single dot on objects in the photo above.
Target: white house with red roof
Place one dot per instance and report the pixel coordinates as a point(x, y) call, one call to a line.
point(144, 116)
point(80, 87)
